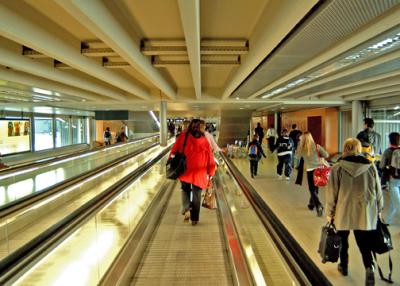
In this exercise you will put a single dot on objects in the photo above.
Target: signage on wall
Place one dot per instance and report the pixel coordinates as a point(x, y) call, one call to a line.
point(15, 136)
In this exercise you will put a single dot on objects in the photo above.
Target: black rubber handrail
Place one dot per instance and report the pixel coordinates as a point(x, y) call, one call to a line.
point(43, 243)
point(44, 161)
point(23, 202)
point(270, 220)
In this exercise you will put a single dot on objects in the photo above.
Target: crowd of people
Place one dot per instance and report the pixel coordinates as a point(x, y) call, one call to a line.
point(120, 136)
point(354, 199)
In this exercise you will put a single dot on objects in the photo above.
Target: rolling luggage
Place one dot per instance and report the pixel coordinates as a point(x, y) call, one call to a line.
point(329, 245)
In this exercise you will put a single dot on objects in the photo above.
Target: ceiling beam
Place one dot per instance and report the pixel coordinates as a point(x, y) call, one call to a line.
point(373, 92)
point(98, 19)
point(190, 17)
point(275, 22)
point(368, 80)
point(385, 95)
point(392, 56)
point(362, 88)
point(19, 62)
point(34, 81)
point(15, 26)
point(380, 25)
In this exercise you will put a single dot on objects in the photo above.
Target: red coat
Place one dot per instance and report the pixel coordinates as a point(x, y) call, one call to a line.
point(199, 160)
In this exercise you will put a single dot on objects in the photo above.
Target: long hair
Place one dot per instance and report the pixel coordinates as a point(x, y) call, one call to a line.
point(306, 143)
point(352, 146)
point(195, 128)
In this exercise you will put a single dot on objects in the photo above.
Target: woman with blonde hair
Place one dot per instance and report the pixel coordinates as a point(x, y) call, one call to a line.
point(311, 153)
point(354, 201)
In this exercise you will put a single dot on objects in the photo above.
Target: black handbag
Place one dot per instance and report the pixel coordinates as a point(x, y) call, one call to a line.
point(176, 165)
point(382, 241)
point(329, 244)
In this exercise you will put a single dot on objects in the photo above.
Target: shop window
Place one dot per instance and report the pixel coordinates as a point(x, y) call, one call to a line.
point(43, 133)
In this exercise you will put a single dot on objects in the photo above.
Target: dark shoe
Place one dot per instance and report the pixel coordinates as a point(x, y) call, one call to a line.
point(194, 222)
point(320, 211)
point(369, 276)
point(342, 269)
point(252, 175)
point(310, 207)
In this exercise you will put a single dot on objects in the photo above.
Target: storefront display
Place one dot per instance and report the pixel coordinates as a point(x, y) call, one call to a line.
point(14, 136)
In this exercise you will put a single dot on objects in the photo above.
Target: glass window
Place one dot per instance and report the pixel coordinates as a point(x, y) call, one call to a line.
point(43, 133)
point(78, 131)
point(63, 128)
point(386, 121)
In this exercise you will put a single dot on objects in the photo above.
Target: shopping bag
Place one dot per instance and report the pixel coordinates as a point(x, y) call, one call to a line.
point(209, 200)
point(329, 244)
point(321, 176)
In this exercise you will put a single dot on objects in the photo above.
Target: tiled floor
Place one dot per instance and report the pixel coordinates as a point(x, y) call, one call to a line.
point(289, 202)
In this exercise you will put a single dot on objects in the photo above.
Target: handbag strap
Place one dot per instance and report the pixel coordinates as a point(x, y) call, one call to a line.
point(319, 157)
point(389, 279)
point(184, 142)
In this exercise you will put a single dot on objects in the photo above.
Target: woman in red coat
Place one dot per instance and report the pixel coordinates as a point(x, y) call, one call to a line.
point(200, 169)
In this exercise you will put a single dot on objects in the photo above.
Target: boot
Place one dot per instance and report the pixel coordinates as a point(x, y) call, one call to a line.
point(369, 276)
point(342, 269)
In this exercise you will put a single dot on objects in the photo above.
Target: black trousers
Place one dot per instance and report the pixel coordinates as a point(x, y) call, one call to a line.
point(194, 204)
point(363, 242)
point(253, 166)
point(285, 160)
point(271, 143)
point(314, 200)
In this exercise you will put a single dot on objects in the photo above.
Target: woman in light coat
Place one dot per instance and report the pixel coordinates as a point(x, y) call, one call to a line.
point(311, 152)
point(354, 201)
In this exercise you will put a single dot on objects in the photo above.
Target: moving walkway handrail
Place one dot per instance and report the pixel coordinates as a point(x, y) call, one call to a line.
point(290, 249)
point(44, 161)
point(23, 202)
point(12, 266)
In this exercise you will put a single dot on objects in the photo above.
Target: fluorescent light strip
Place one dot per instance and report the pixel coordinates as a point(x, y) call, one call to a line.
point(42, 91)
point(155, 118)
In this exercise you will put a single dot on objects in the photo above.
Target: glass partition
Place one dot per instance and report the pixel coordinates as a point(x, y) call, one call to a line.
point(63, 134)
point(78, 130)
point(43, 133)
point(386, 122)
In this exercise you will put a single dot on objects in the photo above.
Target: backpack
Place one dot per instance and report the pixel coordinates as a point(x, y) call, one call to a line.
point(395, 163)
point(107, 134)
point(253, 150)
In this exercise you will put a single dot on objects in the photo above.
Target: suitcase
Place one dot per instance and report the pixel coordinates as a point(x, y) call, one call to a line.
point(329, 245)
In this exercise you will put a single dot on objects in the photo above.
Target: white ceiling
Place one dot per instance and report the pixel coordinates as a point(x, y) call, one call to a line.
point(237, 52)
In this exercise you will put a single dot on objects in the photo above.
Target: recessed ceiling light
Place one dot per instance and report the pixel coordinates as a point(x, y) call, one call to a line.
point(83, 99)
point(42, 91)
point(241, 108)
point(237, 98)
point(397, 107)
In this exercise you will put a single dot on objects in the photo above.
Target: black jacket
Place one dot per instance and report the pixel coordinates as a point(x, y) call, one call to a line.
point(284, 145)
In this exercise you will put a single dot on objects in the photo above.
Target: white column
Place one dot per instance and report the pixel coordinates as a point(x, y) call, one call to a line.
point(356, 117)
point(276, 123)
point(163, 123)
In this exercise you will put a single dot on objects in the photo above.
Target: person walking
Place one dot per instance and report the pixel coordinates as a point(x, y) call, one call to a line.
point(210, 138)
point(271, 135)
point(284, 146)
point(200, 167)
point(370, 140)
point(390, 177)
point(354, 201)
point(107, 136)
point(311, 153)
point(295, 136)
point(121, 137)
point(254, 151)
point(259, 131)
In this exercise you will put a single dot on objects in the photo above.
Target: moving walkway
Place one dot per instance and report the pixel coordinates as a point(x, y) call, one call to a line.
point(133, 234)
point(39, 177)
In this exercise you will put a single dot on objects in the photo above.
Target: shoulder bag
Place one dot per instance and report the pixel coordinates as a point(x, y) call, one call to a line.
point(176, 165)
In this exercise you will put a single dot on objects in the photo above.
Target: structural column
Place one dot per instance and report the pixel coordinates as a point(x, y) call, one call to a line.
point(163, 123)
point(356, 117)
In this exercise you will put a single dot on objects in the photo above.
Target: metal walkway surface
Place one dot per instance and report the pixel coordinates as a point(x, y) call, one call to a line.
point(182, 254)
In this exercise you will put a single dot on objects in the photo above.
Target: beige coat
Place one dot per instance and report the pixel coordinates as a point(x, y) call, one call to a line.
point(354, 194)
